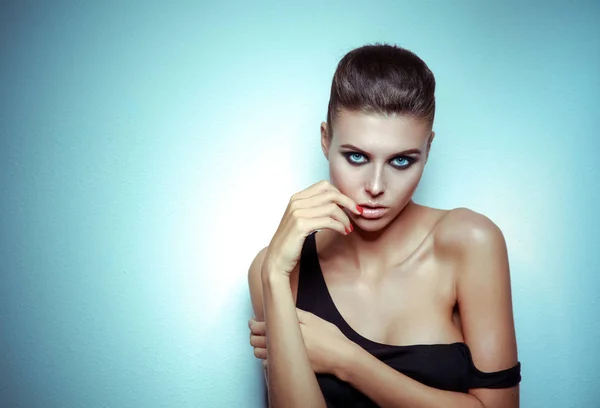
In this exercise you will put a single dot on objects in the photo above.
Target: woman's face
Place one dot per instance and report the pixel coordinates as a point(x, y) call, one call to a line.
point(377, 161)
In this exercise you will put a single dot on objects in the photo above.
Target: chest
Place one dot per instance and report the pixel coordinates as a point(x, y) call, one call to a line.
point(411, 304)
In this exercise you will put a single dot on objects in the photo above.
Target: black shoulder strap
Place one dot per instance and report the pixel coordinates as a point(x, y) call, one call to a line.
point(308, 275)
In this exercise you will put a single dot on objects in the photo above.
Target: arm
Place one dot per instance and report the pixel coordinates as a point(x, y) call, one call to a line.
point(485, 303)
point(484, 296)
point(291, 380)
point(389, 388)
point(255, 286)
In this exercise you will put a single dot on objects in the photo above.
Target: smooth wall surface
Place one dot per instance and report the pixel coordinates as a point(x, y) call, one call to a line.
point(148, 150)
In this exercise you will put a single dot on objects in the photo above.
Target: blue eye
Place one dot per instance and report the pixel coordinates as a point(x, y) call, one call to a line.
point(354, 158)
point(400, 163)
point(404, 160)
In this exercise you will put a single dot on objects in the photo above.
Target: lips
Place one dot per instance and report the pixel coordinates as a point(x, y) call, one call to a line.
point(373, 212)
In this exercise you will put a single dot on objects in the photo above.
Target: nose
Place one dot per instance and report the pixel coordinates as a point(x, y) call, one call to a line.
point(375, 185)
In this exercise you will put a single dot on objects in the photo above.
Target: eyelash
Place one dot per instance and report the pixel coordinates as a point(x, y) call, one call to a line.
point(410, 160)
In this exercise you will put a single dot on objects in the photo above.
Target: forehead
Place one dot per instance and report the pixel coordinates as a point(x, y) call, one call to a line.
point(380, 132)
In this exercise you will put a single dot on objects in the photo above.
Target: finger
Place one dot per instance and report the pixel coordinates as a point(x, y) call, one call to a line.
point(312, 190)
point(300, 314)
point(303, 316)
point(326, 197)
point(258, 328)
point(258, 341)
point(314, 224)
point(341, 199)
point(260, 352)
point(331, 193)
point(327, 210)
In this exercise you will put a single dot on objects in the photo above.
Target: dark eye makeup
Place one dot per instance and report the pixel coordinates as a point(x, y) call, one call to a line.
point(354, 159)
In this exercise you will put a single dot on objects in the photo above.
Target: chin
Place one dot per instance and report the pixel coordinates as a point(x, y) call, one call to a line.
point(371, 225)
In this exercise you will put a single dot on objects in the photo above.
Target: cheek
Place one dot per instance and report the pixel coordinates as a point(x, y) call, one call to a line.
point(342, 177)
point(408, 185)
point(412, 181)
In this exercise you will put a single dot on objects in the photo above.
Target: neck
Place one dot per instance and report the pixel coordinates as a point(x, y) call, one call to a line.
point(372, 250)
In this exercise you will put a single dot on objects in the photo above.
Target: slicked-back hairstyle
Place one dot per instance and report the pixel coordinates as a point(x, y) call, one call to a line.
point(384, 79)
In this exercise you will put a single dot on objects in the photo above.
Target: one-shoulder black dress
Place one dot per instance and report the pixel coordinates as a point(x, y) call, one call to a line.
point(443, 366)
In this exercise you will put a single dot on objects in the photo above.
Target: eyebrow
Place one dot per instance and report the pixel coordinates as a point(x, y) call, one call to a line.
point(402, 153)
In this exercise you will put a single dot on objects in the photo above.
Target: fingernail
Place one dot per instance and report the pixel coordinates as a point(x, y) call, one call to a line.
point(347, 230)
point(359, 208)
point(351, 227)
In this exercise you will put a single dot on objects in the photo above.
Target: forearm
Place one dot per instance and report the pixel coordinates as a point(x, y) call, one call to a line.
point(291, 380)
point(389, 388)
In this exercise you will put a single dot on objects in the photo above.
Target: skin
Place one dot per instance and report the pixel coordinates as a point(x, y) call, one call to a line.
point(418, 275)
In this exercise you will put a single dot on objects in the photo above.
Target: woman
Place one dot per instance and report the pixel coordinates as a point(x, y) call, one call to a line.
point(365, 298)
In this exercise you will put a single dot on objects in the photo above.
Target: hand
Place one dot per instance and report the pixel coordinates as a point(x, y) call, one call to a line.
point(258, 339)
point(325, 344)
point(317, 207)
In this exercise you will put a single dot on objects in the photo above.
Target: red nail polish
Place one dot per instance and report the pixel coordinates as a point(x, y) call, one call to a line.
point(346, 229)
point(359, 208)
point(351, 227)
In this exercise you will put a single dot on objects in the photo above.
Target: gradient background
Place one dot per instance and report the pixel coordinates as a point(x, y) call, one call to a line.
point(148, 151)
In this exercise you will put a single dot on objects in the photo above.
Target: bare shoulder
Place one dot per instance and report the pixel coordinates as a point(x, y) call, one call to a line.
point(476, 247)
point(255, 284)
point(462, 231)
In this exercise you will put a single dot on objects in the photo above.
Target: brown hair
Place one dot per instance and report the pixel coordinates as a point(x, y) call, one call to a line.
point(384, 79)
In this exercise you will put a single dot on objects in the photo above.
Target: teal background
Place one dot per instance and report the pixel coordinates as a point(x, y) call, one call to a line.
point(148, 150)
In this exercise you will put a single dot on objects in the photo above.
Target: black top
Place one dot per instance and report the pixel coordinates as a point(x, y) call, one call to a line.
point(443, 366)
